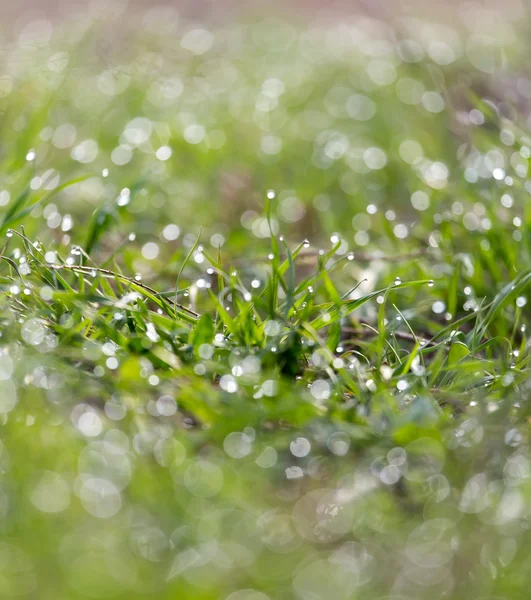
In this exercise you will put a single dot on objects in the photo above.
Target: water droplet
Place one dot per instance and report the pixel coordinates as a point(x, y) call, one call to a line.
point(271, 256)
point(438, 307)
point(350, 256)
point(30, 156)
point(9, 233)
point(402, 385)
point(124, 197)
point(271, 194)
point(105, 173)
point(306, 243)
point(430, 283)
point(398, 281)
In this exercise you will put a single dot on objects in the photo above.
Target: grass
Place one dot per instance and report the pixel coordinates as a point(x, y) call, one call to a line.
point(263, 311)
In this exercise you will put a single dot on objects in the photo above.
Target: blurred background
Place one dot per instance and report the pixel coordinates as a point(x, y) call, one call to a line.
point(227, 9)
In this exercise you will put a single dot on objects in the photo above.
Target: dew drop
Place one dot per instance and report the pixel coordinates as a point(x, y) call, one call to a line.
point(430, 283)
point(124, 197)
point(398, 281)
point(306, 243)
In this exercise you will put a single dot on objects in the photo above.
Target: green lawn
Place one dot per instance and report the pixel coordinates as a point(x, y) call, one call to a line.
point(263, 310)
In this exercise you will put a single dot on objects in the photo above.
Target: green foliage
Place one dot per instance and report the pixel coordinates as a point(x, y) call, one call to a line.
point(263, 313)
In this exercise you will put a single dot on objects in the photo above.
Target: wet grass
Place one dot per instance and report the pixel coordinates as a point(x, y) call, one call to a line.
point(263, 294)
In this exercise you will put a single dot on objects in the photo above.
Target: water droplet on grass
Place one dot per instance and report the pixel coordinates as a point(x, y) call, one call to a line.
point(402, 385)
point(124, 197)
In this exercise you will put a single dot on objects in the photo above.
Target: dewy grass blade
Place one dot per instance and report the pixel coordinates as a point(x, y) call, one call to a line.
point(183, 265)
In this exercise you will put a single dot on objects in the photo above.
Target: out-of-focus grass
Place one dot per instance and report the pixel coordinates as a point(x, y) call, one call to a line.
point(263, 310)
